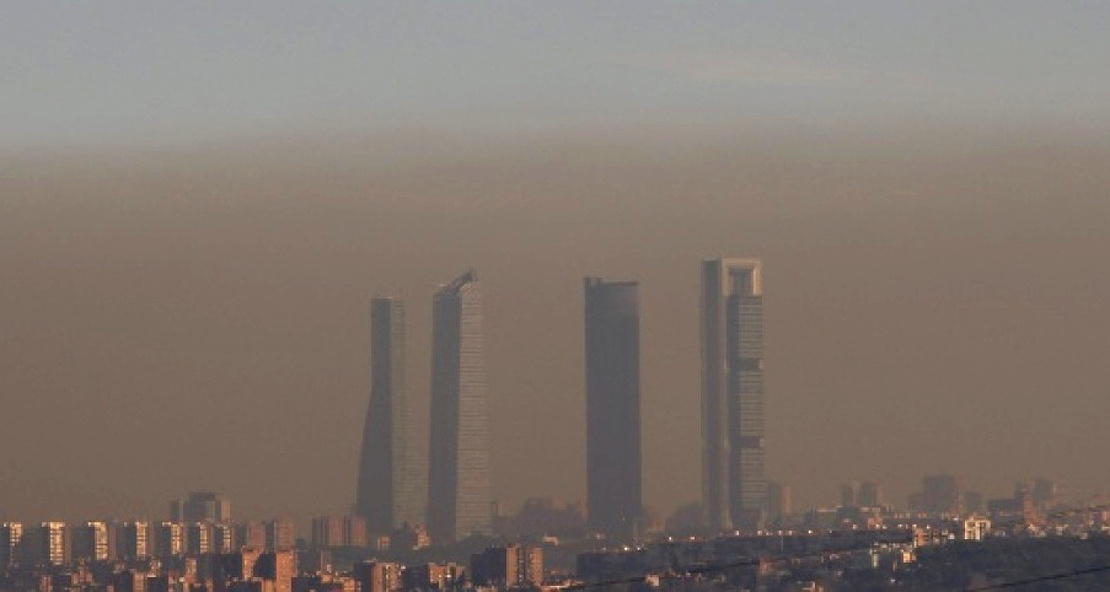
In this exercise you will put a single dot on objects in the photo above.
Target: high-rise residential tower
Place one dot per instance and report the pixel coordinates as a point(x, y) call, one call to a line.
point(734, 488)
point(458, 472)
point(613, 469)
point(390, 493)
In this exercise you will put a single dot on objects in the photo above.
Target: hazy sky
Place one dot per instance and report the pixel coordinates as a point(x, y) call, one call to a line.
point(196, 205)
point(85, 72)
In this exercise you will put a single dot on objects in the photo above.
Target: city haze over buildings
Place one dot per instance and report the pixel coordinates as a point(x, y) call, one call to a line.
point(188, 246)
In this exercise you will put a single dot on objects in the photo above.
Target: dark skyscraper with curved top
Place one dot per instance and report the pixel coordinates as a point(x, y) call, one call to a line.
point(458, 473)
point(390, 492)
point(734, 487)
point(613, 468)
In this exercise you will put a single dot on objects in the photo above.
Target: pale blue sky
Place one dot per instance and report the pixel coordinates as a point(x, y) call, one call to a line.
point(87, 72)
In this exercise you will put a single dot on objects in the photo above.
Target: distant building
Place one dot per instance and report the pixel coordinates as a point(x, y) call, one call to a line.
point(390, 481)
point(458, 474)
point(613, 458)
point(507, 567)
point(780, 500)
point(251, 534)
point(327, 532)
point(378, 576)
point(870, 494)
point(54, 543)
point(976, 528)
point(940, 495)
point(410, 538)
point(433, 576)
point(355, 532)
point(239, 566)
point(201, 506)
point(277, 568)
point(280, 534)
point(169, 540)
point(849, 495)
point(133, 540)
point(223, 538)
point(541, 515)
point(339, 531)
point(1046, 493)
point(689, 518)
point(734, 489)
point(11, 541)
point(94, 541)
point(199, 538)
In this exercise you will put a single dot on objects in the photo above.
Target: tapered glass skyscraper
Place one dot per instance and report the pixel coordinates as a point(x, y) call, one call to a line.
point(613, 469)
point(390, 491)
point(458, 475)
point(734, 486)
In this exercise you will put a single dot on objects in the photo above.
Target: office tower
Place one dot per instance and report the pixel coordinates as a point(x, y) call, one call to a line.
point(11, 541)
point(54, 543)
point(870, 495)
point(201, 506)
point(93, 541)
point(390, 493)
point(613, 469)
point(458, 474)
point(734, 490)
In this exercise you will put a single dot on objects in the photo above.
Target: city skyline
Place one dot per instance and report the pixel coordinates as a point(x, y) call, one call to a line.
point(197, 201)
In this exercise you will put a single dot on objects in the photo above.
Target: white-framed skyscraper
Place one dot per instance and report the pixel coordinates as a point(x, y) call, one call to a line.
point(390, 492)
point(734, 487)
point(458, 468)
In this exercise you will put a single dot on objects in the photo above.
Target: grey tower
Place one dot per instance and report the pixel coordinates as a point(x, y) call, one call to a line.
point(389, 479)
point(734, 489)
point(613, 470)
point(458, 475)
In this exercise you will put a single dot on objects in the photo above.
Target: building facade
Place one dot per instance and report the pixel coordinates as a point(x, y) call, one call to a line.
point(390, 492)
point(613, 457)
point(458, 472)
point(734, 486)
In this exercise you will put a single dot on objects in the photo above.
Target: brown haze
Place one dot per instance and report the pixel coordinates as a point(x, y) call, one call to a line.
point(197, 317)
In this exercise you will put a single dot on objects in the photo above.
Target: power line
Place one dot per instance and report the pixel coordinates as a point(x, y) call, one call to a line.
point(1057, 576)
point(718, 567)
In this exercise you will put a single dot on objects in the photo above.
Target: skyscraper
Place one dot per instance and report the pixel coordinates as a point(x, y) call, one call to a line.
point(734, 489)
point(458, 473)
point(389, 489)
point(613, 469)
